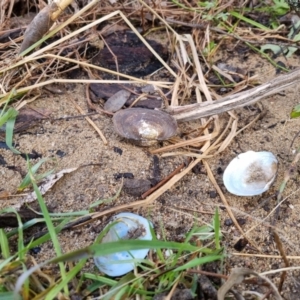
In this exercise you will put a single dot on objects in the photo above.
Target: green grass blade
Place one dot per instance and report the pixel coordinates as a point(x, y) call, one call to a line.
point(249, 21)
point(25, 226)
point(120, 289)
point(123, 245)
point(50, 226)
point(4, 244)
point(102, 279)
point(217, 228)
point(47, 236)
point(198, 261)
point(9, 296)
point(20, 230)
point(11, 113)
point(9, 117)
point(28, 178)
point(5, 262)
point(69, 276)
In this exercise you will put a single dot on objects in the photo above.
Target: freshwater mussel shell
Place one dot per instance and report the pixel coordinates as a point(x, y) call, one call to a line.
point(144, 127)
point(250, 173)
point(124, 226)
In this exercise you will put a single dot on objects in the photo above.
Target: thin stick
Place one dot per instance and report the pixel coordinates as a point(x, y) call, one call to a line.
point(230, 213)
point(286, 262)
point(263, 255)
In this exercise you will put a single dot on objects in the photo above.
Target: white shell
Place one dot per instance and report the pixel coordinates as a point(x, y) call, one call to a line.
point(128, 226)
point(250, 173)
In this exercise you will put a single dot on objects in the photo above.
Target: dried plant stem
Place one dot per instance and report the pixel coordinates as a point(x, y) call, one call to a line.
point(87, 65)
point(263, 255)
point(283, 255)
point(238, 275)
point(204, 138)
point(200, 110)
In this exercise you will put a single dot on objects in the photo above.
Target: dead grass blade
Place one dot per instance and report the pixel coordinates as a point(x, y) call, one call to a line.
point(47, 183)
point(185, 143)
point(237, 276)
point(226, 204)
point(283, 254)
point(265, 256)
point(90, 121)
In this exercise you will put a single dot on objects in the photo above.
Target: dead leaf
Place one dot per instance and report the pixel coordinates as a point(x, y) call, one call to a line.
point(28, 117)
point(37, 28)
point(45, 186)
point(42, 22)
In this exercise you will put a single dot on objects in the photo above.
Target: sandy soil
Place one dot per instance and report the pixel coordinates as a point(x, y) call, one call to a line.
point(175, 212)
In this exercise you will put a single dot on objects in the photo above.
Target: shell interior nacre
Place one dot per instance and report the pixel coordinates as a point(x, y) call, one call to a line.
point(250, 173)
point(124, 226)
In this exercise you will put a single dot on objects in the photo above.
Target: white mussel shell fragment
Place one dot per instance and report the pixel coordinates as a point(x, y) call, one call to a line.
point(250, 173)
point(127, 226)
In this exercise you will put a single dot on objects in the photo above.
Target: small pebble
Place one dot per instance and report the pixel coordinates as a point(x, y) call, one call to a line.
point(118, 150)
point(213, 194)
point(35, 250)
point(60, 153)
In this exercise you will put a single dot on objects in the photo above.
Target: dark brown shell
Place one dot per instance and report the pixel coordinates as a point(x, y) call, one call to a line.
point(144, 127)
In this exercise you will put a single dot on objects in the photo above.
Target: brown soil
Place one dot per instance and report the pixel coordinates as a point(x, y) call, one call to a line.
point(176, 211)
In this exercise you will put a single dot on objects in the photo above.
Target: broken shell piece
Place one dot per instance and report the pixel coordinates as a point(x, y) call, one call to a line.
point(144, 127)
point(127, 226)
point(250, 173)
point(116, 101)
